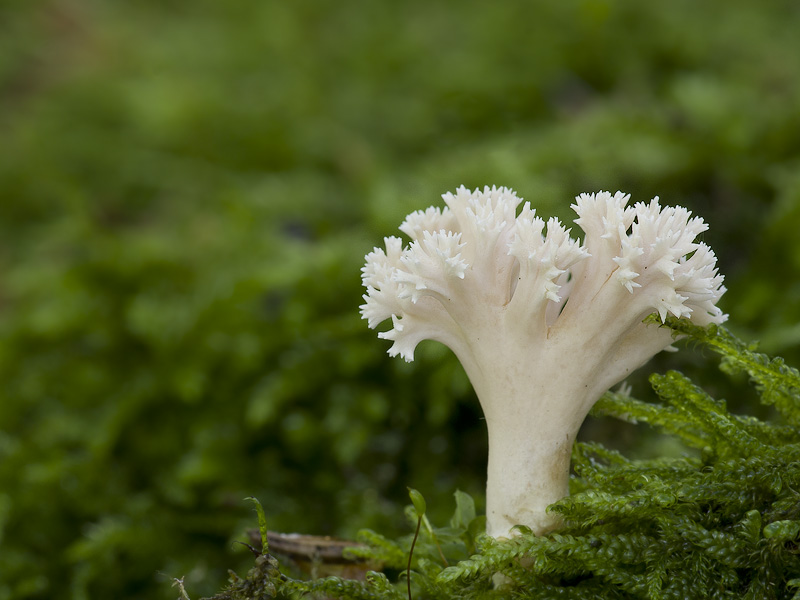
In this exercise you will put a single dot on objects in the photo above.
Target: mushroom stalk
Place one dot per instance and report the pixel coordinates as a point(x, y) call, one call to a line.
point(512, 496)
point(542, 324)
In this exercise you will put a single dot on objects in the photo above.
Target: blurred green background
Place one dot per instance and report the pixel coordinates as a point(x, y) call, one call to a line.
point(187, 191)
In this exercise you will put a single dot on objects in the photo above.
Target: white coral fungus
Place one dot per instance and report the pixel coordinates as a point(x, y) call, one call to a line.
point(542, 324)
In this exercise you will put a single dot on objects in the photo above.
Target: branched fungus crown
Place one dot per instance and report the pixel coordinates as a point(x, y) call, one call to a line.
point(478, 253)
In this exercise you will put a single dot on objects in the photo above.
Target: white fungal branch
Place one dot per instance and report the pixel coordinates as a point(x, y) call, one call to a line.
point(542, 323)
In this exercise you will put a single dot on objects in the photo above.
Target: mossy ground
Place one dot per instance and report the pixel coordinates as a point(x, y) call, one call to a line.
point(187, 191)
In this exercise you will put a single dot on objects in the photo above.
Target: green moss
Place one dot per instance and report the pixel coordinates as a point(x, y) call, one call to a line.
point(187, 191)
point(725, 525)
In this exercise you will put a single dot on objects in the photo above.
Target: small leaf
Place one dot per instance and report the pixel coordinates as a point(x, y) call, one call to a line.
point(750, 526)
point(418, 501)
point(262, 523)
point(782, 530)
point(523, 529)
point(465, 511)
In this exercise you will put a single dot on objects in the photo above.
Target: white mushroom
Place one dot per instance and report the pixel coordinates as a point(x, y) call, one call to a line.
point(542, 324)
